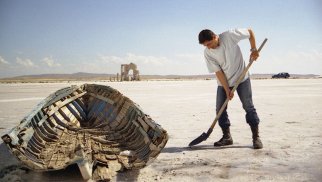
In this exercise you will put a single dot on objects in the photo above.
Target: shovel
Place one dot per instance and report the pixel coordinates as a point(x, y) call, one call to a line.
point(204, 135)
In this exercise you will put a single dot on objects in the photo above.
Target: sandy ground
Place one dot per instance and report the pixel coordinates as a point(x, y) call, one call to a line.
point(290, 129)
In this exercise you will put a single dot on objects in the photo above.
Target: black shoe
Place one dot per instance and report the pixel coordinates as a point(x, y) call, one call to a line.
point(257, 143)
point(224, 141)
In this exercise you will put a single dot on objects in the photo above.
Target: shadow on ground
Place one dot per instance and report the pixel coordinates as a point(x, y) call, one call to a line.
point(200, 147)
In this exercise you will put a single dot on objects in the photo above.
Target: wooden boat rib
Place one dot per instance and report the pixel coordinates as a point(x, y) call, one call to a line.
point(92, 125)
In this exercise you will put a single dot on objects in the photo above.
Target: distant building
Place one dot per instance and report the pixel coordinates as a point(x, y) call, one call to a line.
point(126, 68)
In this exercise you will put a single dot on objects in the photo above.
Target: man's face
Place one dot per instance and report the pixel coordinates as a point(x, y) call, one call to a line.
point(212, 44)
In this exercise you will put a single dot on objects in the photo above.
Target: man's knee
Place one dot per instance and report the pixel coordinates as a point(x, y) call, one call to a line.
point(252, 118)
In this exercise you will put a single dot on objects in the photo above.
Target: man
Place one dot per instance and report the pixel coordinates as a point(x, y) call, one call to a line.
point(223, 57)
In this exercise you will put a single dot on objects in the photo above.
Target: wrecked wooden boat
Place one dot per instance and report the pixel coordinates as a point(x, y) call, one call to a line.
point(94, 126)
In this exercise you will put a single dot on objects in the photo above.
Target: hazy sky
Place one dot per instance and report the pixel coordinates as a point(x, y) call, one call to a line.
point(161, 37)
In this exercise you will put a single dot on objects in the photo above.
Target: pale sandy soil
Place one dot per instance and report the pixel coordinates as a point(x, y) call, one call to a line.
point(290, 129)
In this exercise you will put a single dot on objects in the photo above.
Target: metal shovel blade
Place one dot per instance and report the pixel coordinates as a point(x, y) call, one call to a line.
point(200, 139)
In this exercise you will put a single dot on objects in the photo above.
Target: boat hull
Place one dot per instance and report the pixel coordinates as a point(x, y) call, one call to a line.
point(92, 125)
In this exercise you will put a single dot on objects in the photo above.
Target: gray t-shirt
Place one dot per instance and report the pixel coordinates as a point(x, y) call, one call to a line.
point(228, 57)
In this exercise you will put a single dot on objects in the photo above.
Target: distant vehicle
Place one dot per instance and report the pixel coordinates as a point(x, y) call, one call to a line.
point(281, 75)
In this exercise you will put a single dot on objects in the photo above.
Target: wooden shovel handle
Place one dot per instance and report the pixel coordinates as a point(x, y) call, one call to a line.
point(233, 90)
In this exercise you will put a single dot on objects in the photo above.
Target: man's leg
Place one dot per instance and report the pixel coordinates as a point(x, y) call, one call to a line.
point(244, 91)
point(224, 122)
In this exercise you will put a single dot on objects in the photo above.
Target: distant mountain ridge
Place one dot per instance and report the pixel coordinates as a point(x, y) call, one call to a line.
point(83, 76)
point(99, 76)
point(73, 75)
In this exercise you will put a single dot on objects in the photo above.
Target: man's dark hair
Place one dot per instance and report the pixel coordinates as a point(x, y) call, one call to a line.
point(206, 35)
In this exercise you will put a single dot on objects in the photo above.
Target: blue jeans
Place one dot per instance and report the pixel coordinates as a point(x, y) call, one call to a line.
point(244, 91)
